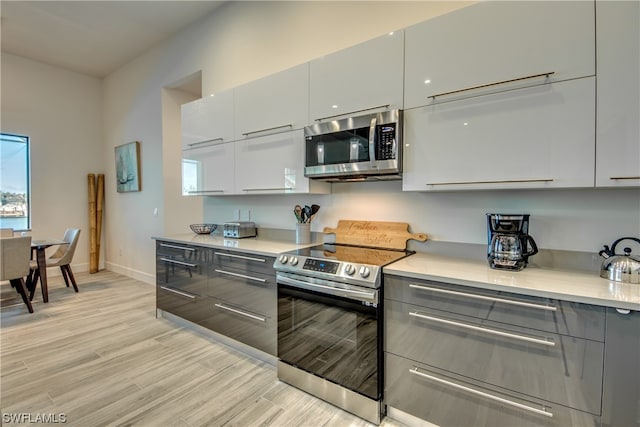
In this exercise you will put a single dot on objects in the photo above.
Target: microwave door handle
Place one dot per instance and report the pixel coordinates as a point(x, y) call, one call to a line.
point(372, 141)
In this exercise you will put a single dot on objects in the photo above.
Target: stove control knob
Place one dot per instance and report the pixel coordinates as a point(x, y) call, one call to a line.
point(294, 260)
point(283, 259)
point(364, 272)
point(349, 269)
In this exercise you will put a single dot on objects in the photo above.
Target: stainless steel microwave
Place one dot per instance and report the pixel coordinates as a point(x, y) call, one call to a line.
point(367, 147)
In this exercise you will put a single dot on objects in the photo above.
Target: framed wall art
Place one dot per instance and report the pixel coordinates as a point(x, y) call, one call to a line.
point(128, 167)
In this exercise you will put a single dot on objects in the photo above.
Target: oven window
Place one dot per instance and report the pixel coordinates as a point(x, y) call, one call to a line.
point(350, 146)
point(332, 337)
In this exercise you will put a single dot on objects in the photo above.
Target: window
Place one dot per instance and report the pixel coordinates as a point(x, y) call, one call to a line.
point(15, 203)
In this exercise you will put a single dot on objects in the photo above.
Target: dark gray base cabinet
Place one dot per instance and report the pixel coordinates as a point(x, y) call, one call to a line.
point(181, 279)
point(450, 400)
point(242, 300)
point(456, 355)
point(621, 394)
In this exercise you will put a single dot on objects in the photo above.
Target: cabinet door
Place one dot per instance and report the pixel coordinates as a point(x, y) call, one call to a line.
point(276, 103)
point(494, 42)
point(181, 279)
point(621, 395)
point(547, 366)
point(536, 137)
point(273, 164)
point(209, 170)
point(208, 120)
point(446, 399)
point(618, 113)
point(241, 324)
point(366, 76)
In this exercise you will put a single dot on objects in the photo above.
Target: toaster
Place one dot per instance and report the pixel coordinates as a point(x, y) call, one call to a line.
point(239, 229)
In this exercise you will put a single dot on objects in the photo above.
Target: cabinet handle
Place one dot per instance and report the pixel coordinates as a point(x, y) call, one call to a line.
point(485, 330)
point(269, 189)
point(500, 181)
point(184, 294)
point(288, 125)
point(173, 261)
point(535, 76)
point(257, 279)
point(242, 313)
point(616, 178)
point(416, 371)
point(486, 298)
point(248, 258)
point(194, 144)
point(205, 191)
point(166, 245)
point(623, 310)
point(352, 112)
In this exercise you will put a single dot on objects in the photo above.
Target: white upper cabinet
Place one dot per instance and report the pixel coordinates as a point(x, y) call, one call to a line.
point(366, 76)
point(208, 120)
point(618, 112)
point(536, 137)
point(273, 104)
point(274, 164)
point(498, 45)
point(209, 171)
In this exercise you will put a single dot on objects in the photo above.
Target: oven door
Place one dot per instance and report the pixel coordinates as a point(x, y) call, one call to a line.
point(338, 338)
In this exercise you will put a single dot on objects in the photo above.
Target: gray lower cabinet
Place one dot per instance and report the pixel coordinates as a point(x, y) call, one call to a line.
point(456, 355)
point(450, 400)
point(621, 394)
point(181, 279)
point(242, 300)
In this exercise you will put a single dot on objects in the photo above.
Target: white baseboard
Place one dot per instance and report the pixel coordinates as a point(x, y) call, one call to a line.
point(130, 272)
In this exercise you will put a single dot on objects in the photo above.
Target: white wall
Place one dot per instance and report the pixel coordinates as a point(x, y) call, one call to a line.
point(240, 42)
point(61, 112)
point(243, 41)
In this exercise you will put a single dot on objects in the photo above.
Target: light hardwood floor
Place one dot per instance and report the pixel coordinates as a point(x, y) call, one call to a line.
point(100, 357)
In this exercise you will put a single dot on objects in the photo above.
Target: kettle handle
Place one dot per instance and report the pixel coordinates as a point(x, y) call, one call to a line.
point(534, 247)
point(613, 245)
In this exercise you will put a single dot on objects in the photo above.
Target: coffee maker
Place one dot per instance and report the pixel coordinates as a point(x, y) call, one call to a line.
point(508, 237)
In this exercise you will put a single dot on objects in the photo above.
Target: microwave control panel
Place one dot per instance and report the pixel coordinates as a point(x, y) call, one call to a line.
point(386, 142)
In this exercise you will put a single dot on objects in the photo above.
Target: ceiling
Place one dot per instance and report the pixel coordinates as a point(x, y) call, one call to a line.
point(93, 37)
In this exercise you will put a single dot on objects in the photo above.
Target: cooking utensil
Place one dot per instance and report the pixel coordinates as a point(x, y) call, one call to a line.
point(306, 214)
point(620, 268)
point(297, 210)
point(314, 211)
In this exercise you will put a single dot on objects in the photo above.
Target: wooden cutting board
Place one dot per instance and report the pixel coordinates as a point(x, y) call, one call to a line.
point(392, 235)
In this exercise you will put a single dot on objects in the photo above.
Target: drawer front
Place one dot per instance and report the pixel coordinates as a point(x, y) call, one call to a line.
point(241, 324)
point(239, 261)
point(182, 267)
point(446, 399)
point(181, 303)
point(545, 314)
point(255, 291)
point(552, 367)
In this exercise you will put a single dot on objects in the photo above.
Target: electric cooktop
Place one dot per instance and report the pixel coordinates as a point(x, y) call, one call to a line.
point(343, 263)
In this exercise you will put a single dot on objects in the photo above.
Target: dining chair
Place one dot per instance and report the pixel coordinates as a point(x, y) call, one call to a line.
point(15, 253)
point(6, 232)
point(60, 258)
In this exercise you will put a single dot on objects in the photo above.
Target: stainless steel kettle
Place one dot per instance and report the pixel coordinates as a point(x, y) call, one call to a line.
point(620, 268)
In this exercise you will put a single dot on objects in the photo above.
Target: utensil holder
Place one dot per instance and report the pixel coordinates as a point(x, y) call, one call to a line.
point(303, 233)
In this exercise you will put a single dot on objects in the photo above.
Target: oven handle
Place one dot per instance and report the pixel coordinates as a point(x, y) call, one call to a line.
point(360, 295)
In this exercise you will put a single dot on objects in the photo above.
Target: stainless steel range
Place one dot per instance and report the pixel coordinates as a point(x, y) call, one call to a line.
point(330, 324)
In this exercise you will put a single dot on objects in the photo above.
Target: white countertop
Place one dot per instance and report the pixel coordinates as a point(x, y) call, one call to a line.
point(254, 245)
point(577, 286)
point(568, 285)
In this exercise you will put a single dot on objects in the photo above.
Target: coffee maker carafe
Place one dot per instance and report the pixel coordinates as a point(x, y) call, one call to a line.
point(508, 237)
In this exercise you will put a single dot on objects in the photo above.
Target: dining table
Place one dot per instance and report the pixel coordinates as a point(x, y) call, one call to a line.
point(39, 246)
